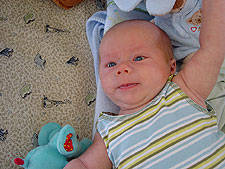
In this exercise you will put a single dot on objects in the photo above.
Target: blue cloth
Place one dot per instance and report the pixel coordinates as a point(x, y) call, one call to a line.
point(154, 7)
point(95, 29)
point(183, 28)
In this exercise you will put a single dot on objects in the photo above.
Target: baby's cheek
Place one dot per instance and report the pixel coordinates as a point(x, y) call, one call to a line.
point(106, 85)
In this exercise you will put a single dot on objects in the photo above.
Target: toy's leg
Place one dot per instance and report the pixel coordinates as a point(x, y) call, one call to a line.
point(46, 133)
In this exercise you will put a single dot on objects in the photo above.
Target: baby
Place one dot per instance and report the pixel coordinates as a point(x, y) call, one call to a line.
point(163, 121)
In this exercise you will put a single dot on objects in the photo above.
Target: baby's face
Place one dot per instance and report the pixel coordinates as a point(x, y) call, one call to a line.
point(133, 66)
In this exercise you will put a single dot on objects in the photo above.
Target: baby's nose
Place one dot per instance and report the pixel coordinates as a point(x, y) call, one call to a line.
point(124, 70)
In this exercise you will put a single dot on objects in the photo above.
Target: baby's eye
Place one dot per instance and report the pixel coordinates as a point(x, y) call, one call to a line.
point(139, 58)
point(110, 64)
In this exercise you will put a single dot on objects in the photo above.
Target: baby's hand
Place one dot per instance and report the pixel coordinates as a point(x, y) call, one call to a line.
point(75, 164)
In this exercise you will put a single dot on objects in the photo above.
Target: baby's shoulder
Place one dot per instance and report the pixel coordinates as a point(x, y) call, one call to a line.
point(191, 93)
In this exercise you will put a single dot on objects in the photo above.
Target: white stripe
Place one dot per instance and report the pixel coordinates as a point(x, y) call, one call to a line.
point(134, 147)
point(167, 129)
point(113, 124)
point(200, 154)
point(215, 159)
point(166, 141)
point(162, 102)
point(221, 165)
point(152, 121)
point(201, 157)
point(218, 157)
point(218, 146)
point(143, 116)
point(177, 150)
point(104, 132)
point(107, 126)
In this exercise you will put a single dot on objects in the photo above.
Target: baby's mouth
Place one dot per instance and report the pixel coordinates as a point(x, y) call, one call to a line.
point(127, 86)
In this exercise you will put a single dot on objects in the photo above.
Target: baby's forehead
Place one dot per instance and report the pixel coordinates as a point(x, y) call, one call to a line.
point(147, 29)
point(133, 30)
point(132, 25)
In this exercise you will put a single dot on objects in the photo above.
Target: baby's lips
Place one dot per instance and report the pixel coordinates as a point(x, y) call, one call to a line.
point(127, 85)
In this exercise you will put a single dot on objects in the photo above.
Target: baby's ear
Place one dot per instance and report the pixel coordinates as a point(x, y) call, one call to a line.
point(47, 132)
point(172, 66)
point(67, 143)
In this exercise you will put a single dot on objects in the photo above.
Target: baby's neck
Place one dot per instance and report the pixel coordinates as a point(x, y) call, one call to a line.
point(131, 110)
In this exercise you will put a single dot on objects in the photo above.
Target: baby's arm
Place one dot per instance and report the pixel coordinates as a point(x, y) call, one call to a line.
point(94, 158)
point(200, 74)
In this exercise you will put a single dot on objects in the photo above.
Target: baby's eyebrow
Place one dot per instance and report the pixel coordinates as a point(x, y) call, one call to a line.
point(104, 59)
point(109, 56)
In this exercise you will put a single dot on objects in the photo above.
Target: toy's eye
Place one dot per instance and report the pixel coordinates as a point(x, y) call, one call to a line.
point(139, 58)
point(110, 64)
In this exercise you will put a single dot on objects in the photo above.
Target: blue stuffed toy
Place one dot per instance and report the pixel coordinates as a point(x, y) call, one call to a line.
point(56, 145)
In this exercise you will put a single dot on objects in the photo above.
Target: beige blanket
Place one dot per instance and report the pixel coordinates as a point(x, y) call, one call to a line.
point(49, 76)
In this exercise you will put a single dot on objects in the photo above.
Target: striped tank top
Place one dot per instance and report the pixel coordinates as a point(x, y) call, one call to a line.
point(170, 132)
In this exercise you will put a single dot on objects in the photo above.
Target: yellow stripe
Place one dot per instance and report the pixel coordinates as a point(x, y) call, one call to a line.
point(218, 161)
point(113, 137)
point(139, 119)
point(211, 158)
point(106, 142)
point(168, 136)
point(144, 112)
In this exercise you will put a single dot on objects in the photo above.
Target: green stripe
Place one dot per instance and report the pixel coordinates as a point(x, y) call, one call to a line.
point(142, 121)
point(146, 111)
point(205, 159)
point(216, 164)
point(167, 135)
point(173, 143)
point(145, 119)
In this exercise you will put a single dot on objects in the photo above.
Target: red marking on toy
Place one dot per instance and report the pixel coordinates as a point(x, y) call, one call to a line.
point(68, 145)
point(194, 29)
point(19, 161)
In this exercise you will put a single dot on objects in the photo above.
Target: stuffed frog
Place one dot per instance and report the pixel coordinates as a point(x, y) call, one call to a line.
point(56, 145)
